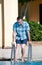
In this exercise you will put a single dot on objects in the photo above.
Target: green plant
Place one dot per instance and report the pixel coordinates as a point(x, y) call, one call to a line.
point(36, 31)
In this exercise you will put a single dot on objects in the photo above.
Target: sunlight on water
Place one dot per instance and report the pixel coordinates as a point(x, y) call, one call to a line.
point(20, 63)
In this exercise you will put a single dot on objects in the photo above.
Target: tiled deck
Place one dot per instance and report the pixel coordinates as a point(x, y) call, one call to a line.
point(36, 52)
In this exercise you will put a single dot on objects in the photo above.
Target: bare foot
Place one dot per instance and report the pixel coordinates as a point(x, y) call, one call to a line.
point(22, 60)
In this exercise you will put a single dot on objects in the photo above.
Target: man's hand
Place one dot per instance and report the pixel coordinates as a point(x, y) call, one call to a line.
point(29, 42)
point(14, 43)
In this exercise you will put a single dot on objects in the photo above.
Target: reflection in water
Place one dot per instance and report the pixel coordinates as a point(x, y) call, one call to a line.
point(21, 63)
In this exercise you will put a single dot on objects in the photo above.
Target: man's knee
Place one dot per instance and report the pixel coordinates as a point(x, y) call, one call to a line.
point(17, 45)
point(23, 46)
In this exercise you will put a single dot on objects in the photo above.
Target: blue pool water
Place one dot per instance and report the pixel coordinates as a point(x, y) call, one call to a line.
point(20, 63)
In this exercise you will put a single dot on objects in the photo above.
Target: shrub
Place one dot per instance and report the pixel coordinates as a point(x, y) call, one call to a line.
point(36, 31)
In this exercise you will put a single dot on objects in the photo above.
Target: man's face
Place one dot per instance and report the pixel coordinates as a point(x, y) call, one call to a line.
point(20, 21)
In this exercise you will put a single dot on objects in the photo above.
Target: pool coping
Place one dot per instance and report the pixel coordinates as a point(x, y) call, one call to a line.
point(9, 59)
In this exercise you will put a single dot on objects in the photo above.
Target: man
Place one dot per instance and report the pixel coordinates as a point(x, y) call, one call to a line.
point(21, 31)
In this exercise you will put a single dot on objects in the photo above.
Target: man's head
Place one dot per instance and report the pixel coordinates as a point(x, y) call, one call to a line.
point(19, 19)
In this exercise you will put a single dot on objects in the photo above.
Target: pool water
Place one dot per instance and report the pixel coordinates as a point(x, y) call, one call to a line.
point(20, 63)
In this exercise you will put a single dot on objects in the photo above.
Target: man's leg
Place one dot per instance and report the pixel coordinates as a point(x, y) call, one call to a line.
point(17, 47)
point(23, 51)
point(17, 50)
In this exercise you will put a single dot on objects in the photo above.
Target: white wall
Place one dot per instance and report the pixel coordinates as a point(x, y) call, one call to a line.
point(0, 26)
point(10, 15)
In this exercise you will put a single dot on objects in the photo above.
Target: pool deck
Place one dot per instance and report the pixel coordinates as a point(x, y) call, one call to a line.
point(36, 52)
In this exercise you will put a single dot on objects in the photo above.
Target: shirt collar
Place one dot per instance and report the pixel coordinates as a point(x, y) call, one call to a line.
point(20, 24)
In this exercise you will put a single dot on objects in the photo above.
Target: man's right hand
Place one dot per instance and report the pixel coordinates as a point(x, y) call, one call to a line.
point(14, 43)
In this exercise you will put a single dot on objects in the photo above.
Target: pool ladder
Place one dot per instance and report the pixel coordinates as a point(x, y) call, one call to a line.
point(29, 52)
point(13, 49)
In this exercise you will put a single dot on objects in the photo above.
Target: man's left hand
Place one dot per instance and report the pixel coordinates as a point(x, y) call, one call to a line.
point(29, 42)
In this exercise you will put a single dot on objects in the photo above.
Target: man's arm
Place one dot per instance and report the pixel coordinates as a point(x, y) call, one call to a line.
point(29, 36)
point(29, 39)
point(28, 32)
point(13, 37)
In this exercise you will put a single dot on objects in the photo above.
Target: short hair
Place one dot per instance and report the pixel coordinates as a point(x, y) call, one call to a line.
point(19, 17)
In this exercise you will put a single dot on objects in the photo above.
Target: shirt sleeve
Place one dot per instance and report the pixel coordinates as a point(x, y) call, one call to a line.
point(14, 27)
point(27, 27)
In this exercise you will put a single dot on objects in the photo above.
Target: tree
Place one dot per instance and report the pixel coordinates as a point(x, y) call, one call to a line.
point(26, 8)
point(22, 1)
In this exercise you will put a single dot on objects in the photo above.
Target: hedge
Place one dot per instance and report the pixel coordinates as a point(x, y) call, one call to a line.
point(35, 30)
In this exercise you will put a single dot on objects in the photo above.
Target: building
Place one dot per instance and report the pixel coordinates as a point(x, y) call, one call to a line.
point(8, 15)
point(34, 12)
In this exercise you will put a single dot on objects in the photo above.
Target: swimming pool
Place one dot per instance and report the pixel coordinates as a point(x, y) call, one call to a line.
point(20, 63)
